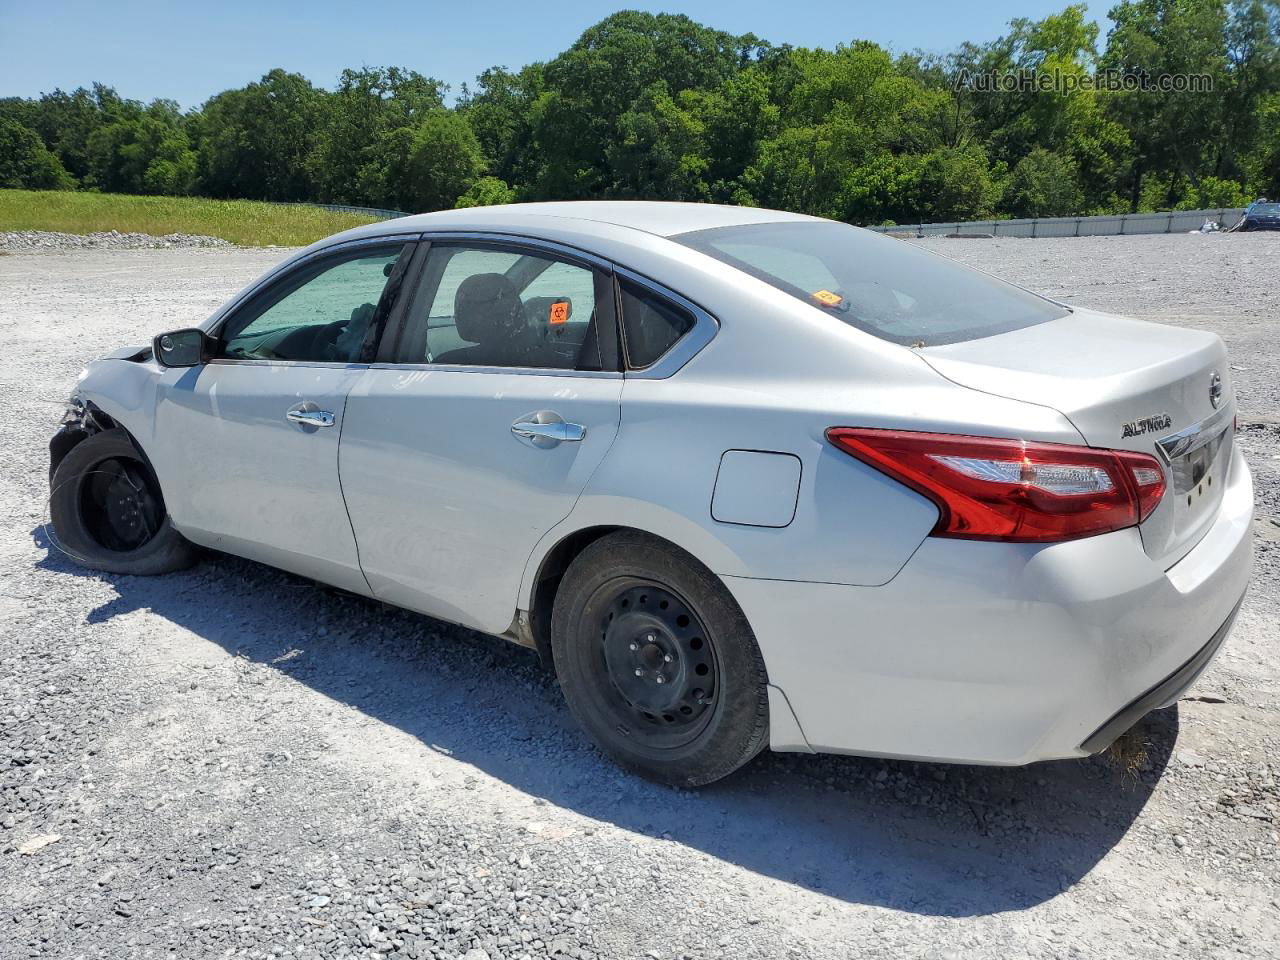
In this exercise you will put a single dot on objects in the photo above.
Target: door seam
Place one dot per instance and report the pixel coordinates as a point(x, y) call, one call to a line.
point(521, 597)
point(342, 427)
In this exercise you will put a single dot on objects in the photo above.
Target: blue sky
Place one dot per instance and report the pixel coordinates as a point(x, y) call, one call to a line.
point(189, 51)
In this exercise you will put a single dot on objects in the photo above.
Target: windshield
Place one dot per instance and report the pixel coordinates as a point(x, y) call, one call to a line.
point(1265, 209)
point(889, 288)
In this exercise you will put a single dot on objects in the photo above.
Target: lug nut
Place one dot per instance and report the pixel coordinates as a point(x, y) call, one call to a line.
point(661, 678)
point(667, 657)
point(650, 638)
point(639, 672)
point(635, 646)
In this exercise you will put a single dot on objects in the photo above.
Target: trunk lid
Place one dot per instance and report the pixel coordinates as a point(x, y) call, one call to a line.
point(1125, 385)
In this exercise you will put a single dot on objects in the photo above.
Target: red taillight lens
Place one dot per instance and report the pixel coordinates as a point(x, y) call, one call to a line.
point(988, 489)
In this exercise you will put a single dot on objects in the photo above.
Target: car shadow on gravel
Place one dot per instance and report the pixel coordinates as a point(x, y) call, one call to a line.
point(932, 839)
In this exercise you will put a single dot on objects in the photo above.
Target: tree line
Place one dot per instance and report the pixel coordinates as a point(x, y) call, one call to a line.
point(648, 106)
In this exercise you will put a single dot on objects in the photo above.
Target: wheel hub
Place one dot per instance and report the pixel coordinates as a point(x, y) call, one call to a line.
point(657, 656)
point(119, 506)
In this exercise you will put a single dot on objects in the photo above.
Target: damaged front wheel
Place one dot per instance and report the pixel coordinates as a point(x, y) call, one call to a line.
point(108, 513)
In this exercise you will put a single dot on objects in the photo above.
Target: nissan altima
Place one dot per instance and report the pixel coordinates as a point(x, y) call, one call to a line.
point(744, 478)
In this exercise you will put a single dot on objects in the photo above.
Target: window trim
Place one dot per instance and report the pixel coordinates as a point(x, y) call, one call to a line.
point(399, 319)
point(282, 275)
point(690, 344)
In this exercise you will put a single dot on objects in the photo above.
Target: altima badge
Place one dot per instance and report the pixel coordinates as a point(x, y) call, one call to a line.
point(1215, 390)
point(1136, 428)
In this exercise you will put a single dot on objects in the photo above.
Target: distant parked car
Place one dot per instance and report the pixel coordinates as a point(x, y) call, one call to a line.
point(1261, 215)
point(745, 478)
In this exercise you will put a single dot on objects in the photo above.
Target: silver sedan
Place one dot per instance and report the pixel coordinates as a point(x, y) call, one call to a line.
point(744, 478)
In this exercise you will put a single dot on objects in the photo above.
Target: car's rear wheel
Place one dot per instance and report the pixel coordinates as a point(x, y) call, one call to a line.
point(657, 663)
point(108, 513)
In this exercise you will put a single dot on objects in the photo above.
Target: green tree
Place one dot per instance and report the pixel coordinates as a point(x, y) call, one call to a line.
point(1043, 184)
point(142, 151)
point(254, 142)
point(660, 153)
point(1101, 151)
point(853, 120)
point(1171, 131)
point(26, 162)
point(590, 87)
point(485, 192)
point(356, 147)
point(1062, 45)
point(66, 121)
point(956, 183)
point(1262, 162)
point(736, 118)
point(443, 162)
point(500, 111)
point(1253, 74)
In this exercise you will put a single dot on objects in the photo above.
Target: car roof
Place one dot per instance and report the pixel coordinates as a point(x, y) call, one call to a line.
point(657, 218)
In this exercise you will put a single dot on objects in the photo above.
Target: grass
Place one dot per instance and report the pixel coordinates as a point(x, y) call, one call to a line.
point(1129, 754)
point(245, 222)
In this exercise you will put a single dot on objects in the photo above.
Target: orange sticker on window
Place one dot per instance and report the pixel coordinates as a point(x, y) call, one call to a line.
point(559, 313)
point(827, 298)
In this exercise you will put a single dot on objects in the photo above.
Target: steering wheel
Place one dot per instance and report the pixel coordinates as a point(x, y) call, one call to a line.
point(324, 343)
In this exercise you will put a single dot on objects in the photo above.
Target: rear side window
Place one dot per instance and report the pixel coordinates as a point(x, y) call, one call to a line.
point(651, 324)
point(490, 305)
point(889, 288)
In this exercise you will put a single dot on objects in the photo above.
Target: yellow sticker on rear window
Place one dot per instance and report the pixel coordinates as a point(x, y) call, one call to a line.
point(559, 313)
point(827, 298)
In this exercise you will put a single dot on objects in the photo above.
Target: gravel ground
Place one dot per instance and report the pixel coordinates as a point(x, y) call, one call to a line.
point(29, 240)
point(237, 762)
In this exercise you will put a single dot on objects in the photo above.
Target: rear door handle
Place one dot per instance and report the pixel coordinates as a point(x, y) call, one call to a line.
point(557, 431)
point(311, 418)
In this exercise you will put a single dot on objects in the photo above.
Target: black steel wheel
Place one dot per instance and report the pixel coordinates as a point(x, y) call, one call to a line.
point(656, 655)
point(120, 504)
point(656, 661)
point(108, 512)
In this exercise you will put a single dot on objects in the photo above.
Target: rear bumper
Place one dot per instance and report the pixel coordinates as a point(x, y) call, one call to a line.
point(1001, 653)
point(1162, 694)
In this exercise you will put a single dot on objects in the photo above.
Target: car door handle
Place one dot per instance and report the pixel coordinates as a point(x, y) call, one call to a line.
point(311, 418)
point(558, 431)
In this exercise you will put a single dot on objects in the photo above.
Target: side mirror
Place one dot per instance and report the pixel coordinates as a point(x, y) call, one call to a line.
point(181, 348)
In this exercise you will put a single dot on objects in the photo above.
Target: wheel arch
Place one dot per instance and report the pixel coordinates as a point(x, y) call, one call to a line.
point(544, 575)
point(92, 420)
point(541, 596)
point(74, 432)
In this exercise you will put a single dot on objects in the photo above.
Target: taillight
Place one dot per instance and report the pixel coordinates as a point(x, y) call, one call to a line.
point(1012, 490)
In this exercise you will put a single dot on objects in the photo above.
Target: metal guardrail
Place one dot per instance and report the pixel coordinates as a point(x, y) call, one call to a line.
point(378, 212)
point(1111, 225)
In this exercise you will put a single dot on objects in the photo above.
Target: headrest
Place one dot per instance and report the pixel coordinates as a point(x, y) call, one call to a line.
point(486, 308)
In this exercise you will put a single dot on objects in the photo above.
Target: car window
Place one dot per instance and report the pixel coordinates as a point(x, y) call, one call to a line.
point(499, 307)
point(889, 288)
point(651, 324)
point(324, 313)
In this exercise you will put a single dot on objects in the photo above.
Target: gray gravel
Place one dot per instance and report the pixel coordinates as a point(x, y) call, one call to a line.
point(46, 240)
point(237, 762)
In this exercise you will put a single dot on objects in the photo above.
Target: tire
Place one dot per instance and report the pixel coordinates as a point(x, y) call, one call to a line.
point(108, 513)
point(632, 608)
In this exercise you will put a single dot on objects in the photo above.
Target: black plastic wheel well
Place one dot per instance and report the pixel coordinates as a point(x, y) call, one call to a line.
point(71, 435)
point(550, 573)
point(94, 421)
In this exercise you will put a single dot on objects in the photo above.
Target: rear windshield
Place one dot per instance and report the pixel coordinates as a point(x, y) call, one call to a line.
point(889, 288)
